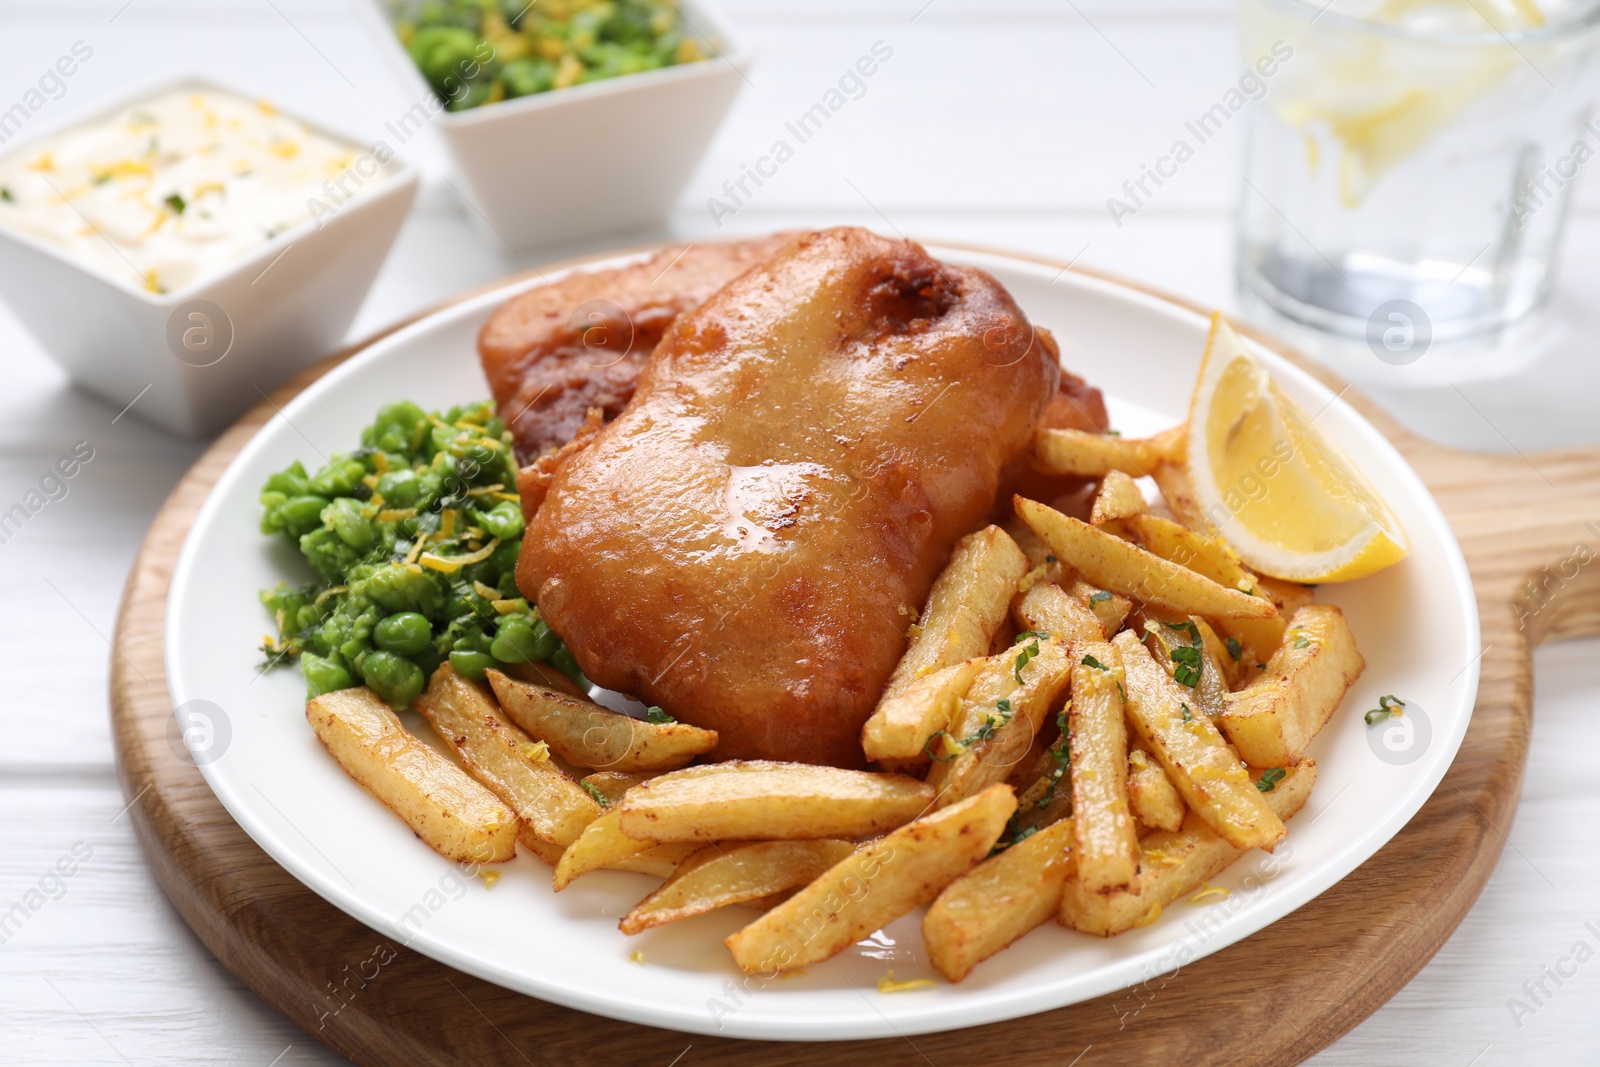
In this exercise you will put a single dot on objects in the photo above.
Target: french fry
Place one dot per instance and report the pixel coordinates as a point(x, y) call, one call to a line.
point(1110, 608)
point(1105, 838)
point(1177, 493)
point(453, 814)
point(584, 733)
point(1228, 655)
point(613, 784)
point(759, 800)
point(998, 718)
point(1114, 564)
point(602, 846)
point(1047, 608)
point(1093, 455)
point(545, 675)
point(1119, 498)
point(967, 605)
point(906, 719)
point(719, 875)
point(1213, 559)
point(1152, 797)
point(552, 807)
point(1205, 771)
point(878, 883)
point(998, 901)
point(1172, 864)
point(1272, 720)
point(1289, 597)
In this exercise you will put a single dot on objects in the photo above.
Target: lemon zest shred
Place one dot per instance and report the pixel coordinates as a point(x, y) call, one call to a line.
point(1150, 916)
point(888, 984)
point(1210, 892)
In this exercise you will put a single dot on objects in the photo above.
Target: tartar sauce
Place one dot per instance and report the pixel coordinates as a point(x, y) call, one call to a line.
point(175, 188)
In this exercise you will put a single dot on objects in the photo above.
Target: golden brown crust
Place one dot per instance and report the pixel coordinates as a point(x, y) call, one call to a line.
point(743, 544)
point(558, 350)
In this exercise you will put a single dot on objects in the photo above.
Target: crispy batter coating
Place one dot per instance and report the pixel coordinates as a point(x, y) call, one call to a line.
point(556, 351)
point(745, 544)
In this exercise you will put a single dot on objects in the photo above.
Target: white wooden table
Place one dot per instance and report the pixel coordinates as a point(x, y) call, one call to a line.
point(1007, 125)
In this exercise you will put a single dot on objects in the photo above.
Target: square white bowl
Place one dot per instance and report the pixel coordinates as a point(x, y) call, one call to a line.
point(202, 354)
point(590, 159)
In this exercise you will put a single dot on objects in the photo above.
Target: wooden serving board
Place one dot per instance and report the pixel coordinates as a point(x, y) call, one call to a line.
point(1332, 963)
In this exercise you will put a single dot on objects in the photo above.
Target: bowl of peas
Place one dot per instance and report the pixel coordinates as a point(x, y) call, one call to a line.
point(564, 118)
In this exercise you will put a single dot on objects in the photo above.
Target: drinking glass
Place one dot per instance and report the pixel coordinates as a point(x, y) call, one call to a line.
point(1408, 172)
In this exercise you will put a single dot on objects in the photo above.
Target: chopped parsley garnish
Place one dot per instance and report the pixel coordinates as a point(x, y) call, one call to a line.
point(1027, 653)
point(1301, 642)
point(1050, 559)
point(1026, 635)
point(1234, 650)
point(1187, 717)
point(927, 749)
point(1385, 708)
point(1121, 691)
point(1097, 596)
point(1090, 661)
point(5, 194)
point(1004, 705)
point(175, 202)
point(1271, 778)
point(1186, 666)
point(656, 715)
point(599, 797)
point(1188, 625)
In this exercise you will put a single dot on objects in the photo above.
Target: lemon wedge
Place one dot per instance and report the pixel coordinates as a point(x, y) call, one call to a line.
point(1287, 500)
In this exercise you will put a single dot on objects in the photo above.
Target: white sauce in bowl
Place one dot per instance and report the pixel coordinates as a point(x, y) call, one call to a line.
point(174, 189)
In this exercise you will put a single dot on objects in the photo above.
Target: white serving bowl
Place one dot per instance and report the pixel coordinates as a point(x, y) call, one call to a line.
point(585, 160)
point(200, 355)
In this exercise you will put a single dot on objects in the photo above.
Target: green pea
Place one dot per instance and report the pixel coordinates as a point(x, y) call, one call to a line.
point(300, 515)
point(406, 633)
point(400, 489)
point(522, 640)
point(471, 664)
point(290, 481)
point(395, 428)
point(339, 478)
point(323, 675)
point(504, 520)
point(394, 678)
point(344, 515)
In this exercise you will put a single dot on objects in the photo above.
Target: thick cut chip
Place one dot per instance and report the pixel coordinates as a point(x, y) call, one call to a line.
point(998, 718)
point(1106, 841)
point(879, 883)
point(582, 732)
point(1201, 765)
point(1094, 455)
point(1114, 564)
point(1273, 720)
point(1048, 608)
point(1151, 795)
point(907, 719)
point(553, 808)
point(1119, 498)
point(759, 800)
point(452, 813)
point(1174, 863)
point(998, 901)
point(719, 875)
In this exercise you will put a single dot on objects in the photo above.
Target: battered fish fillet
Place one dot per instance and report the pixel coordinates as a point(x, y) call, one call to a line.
point(559, 350)
point(744, 545)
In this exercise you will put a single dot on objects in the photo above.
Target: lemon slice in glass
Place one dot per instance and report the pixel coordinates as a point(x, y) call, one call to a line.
point(1267, 480)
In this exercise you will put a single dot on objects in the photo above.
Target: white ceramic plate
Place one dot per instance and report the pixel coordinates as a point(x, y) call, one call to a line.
point(1416, 623)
